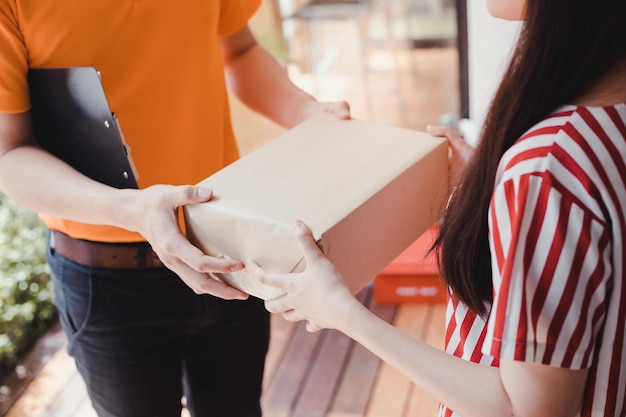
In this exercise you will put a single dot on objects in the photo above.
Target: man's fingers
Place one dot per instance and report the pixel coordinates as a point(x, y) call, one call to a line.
point(220, 289)
point(340, 109)
point(213, 264)
point(188, 194)
point(202, 283)
point(178, 248)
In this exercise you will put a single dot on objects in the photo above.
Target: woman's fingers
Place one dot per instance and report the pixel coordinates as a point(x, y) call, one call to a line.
point(451, 134)
point(312, 328)
point(278, 305)
point(270, 279)
point(307, 243)
point(460, 151)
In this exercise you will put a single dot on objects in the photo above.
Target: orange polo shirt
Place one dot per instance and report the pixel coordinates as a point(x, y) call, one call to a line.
point(161, 69)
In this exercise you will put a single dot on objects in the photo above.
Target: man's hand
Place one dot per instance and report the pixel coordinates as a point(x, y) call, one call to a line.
point(310, 108)
point(154, 214)
point(263, 85)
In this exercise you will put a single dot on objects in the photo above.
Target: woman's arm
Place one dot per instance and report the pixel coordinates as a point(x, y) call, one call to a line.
point(320, 296)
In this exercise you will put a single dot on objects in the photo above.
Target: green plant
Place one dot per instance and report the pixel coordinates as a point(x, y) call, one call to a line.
point(26, 307)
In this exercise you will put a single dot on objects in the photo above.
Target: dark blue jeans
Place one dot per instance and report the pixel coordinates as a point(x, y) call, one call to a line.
point(143, 339)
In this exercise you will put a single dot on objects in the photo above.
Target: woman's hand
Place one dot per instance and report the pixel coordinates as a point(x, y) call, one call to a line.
point(460, 152)
point(318, 294)
point(155, 217)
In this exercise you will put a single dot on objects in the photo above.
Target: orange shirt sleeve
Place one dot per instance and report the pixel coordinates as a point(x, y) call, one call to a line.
point(13, 62)
point(234, 15)
point(193, 137)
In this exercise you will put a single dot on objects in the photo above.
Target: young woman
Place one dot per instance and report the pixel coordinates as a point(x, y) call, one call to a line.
point(532, 242)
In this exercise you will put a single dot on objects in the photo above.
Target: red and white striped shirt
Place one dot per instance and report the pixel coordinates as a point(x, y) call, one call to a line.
point(557, 225)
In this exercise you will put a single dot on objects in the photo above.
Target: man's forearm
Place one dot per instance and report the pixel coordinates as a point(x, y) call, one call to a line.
point(267, 88)
point(40, 182)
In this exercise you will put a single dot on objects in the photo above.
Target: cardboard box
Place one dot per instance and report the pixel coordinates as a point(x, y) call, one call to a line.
point(412, 277)
point(366, 190)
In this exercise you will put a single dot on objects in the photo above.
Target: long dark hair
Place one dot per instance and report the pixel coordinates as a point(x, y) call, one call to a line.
point(565, 46)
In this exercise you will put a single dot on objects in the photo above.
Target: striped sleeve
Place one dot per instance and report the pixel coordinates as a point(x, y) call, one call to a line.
point(557, 230)
point(550, 260)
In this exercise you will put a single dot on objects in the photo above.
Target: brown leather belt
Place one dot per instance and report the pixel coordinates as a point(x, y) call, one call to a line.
point(105, 255)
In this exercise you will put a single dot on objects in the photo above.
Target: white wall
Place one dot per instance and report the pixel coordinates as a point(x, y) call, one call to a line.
point(490, 43)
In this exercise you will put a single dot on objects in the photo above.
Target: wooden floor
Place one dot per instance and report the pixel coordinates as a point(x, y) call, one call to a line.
point(323, 374)
point(326, 374)
point(308, 374)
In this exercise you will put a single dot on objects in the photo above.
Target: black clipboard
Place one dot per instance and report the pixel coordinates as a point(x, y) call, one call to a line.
point(73, 121)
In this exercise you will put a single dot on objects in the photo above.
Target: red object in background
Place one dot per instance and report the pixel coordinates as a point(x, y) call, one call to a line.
point(412, 276)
